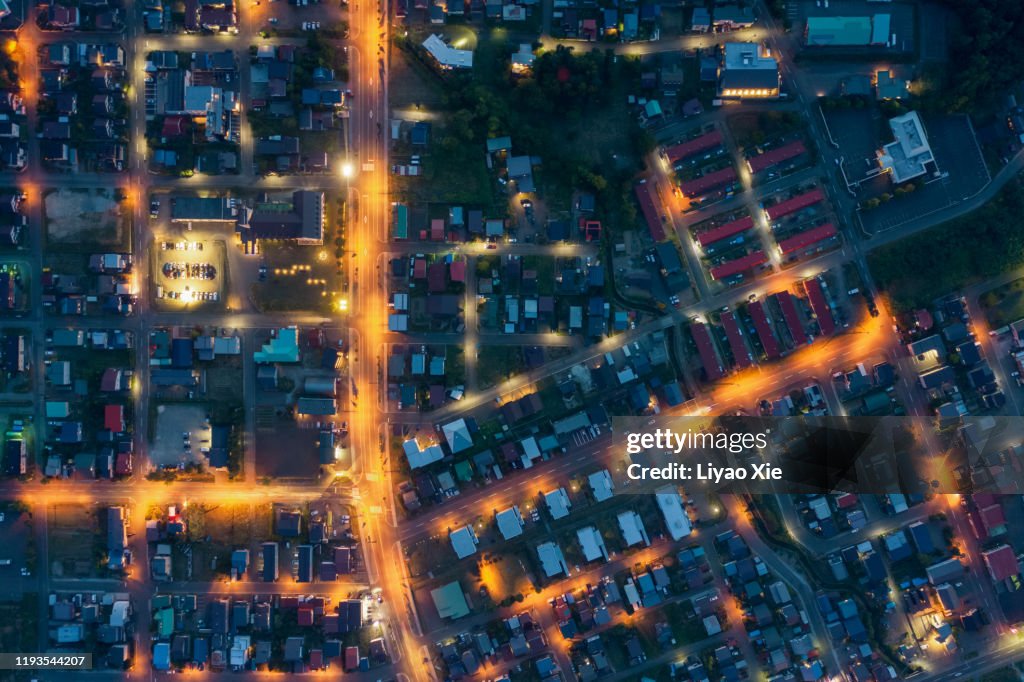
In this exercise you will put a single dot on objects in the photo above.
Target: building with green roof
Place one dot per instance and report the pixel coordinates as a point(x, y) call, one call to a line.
point(838, 31)
point(450, 601)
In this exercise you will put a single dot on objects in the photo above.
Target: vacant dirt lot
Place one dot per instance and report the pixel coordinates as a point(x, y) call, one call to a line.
point(76, 216)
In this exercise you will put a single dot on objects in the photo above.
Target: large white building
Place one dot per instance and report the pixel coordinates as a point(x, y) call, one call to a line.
point(671, 505)
point(447, 56)
point(748, 71)
point(910, 155)
point(464, 541)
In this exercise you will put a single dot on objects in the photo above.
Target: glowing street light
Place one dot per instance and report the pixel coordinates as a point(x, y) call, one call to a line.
point(343, 304)
point(347, 170)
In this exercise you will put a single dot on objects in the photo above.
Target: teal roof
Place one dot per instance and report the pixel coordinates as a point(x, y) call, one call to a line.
point(282, 348)
point(450, 601)
point(889, 87)
point(401, 226)
point(837, 31)
point(498, 144)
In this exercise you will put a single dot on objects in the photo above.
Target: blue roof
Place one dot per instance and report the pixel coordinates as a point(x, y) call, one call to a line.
point(874, 567)
point(310, 96)
point(161, 655)
point(181, 353)
point(674, 394)
point(922, 538)
point(200, 650)
point(639, 397)
point(322, 73)
point(330, 97)
point(420, 133)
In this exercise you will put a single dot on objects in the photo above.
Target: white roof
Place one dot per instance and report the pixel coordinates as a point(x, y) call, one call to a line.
point(530, 447)
point(510, 522)
point(819, 505)
point(601, 485)
point(464, 541)
point(421, 458)
point(632, 527)
point(779, 592)
point(558, 503)
point(740, 56)
point(552, 560)
point(671, 506)
point(457, 435)
point(592, 543)
point(907, 156)
point(119, 613)
point(446, 55)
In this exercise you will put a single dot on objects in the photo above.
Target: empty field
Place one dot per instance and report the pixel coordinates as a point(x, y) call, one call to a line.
point(213, 532)
point(69, 555)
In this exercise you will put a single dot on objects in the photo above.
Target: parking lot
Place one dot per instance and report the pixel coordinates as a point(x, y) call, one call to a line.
point(170, 447)
point(856, 133)
point(189, 273)
point(963, 170)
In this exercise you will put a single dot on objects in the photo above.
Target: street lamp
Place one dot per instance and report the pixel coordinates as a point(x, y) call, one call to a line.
point(347, 170)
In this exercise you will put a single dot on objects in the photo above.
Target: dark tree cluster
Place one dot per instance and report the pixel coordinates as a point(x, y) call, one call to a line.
point(986, 44)
point(978, 246)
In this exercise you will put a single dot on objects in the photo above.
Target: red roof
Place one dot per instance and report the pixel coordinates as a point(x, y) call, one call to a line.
point(457, 271)
point(123, 463)
point(816, 296)
point(795, 204)
point(1001, 562)
point(714, 179)
point(682, 150)
point(437, 229)
point(764, 330)
point(846, 500)
point(708, 357)
point(924, 321)
point(316, 659)
point(419, 268)
point(982, 499)
point(436, 279)
point(733, 267)
point(305, 616)
point(351, 658)
point(721, 232)
point(110, 380)
point(768, 159)
point(993, 517)
point(113, 418)
point(174, 126)
point(739, 348)
point(792, 318)
point(650, 211)
point(805, 239)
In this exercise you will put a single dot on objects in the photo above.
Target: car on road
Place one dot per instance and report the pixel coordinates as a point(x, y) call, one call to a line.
point(154, 208)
